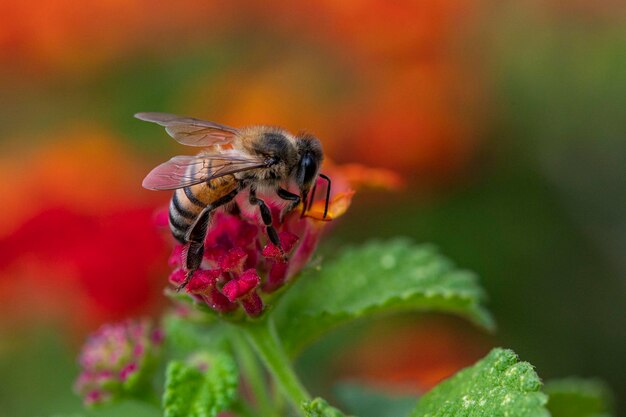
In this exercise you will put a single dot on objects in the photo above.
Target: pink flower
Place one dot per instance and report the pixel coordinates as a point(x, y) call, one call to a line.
point(242, 289)
point(241, 267)
point(116, 359)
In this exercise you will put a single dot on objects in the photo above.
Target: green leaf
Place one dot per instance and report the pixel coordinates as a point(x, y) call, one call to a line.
point(379, 277)
point(202, 387)
point(575, 397)
point(318, 407)
point(497, 386)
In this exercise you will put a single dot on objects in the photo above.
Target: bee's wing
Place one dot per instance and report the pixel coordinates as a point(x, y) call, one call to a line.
point(183, 171)
point(190, 131)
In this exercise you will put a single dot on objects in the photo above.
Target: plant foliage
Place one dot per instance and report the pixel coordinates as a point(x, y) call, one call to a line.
point(379, 277)
point(497, 386)
point(202, 387)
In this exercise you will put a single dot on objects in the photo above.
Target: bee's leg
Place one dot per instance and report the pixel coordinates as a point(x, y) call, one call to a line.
point(289, 196)
point(195, 246)
point(196, 234)
point(234, 209)
point(266, 215)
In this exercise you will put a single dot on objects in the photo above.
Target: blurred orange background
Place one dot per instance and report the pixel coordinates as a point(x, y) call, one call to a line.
point(503, 117)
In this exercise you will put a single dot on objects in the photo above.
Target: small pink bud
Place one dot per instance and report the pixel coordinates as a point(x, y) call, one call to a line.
point(242, 285)
point(177, 276)
point(202, 281)
point(218, 301)
point(252, 304)
point(276, 277)
point(176, 257)
point(111, 356)
point(287, 241)
point(157, 336)
point(96, 397)
point(233, 260)
point(138, 350)
point(127, 371)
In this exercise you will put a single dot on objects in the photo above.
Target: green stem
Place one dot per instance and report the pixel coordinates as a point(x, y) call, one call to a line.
point(242, 409)
point(278, 399)
point(263, 337)
point(254, 376)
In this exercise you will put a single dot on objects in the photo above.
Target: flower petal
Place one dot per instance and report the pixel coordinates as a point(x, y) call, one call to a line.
point(203, 280)
point(233, 260)
point(287, 241)
point(177, 276)
point(252, 304)
point(276, 277)
point(217, 301)
point(337, 206)
point(176, 258)
point(360, 175)
point(239, 287)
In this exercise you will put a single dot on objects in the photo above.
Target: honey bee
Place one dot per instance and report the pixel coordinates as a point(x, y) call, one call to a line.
point(232, 161)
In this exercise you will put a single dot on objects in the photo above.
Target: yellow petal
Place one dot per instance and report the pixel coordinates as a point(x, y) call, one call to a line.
point(336, 207)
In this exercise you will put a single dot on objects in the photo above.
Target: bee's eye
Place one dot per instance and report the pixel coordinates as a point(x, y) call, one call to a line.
point(307, 169)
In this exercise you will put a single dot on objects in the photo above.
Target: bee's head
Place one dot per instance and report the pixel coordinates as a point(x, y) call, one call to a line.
point(309, 162)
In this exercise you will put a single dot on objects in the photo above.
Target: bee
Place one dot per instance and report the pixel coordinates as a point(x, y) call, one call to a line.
point(233, 161)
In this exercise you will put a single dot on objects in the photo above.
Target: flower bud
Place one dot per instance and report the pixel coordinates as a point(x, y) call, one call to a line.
point(117, 360)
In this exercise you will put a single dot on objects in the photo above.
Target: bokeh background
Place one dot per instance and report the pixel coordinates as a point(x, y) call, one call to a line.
point(506, 119)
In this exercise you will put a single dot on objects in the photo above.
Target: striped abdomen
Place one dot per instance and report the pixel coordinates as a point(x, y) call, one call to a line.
point(187, 203)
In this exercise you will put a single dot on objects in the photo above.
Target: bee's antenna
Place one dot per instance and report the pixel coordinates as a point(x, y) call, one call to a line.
point(327, 194)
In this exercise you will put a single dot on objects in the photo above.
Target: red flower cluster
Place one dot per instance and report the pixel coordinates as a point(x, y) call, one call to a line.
point(236, 258)
point(117, 359)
